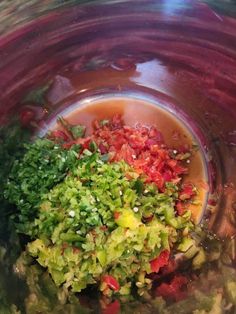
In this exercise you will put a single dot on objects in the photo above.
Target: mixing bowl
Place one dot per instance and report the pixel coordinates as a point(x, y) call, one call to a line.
point(58, 56)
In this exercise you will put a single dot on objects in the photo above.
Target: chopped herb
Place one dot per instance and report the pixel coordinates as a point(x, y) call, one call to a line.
point(43, 165)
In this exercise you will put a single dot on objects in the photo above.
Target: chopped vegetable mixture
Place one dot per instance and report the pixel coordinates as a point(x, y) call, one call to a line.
point(109, 209)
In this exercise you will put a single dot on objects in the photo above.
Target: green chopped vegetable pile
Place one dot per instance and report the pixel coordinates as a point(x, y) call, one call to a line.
point(85, 216)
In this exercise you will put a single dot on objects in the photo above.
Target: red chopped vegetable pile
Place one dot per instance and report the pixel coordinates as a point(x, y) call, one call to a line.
point(142, 147)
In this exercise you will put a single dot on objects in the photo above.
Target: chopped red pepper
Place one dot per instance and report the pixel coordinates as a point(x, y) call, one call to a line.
point(112, 308)
point(75, 250)
point(141, 147)
point(167, 175)
point(84, 142)
point(103, 148)
point(69, 144)
point(103, 228)
point(175, 290)
point(170, 267)
point(148, 218)
point(116, 215)
point(181, 209)
point(187, 192)
point(160, 261)
point(111, 282)
point(59, 135)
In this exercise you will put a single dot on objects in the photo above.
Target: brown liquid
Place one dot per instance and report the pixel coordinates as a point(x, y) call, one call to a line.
point(135, 111)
